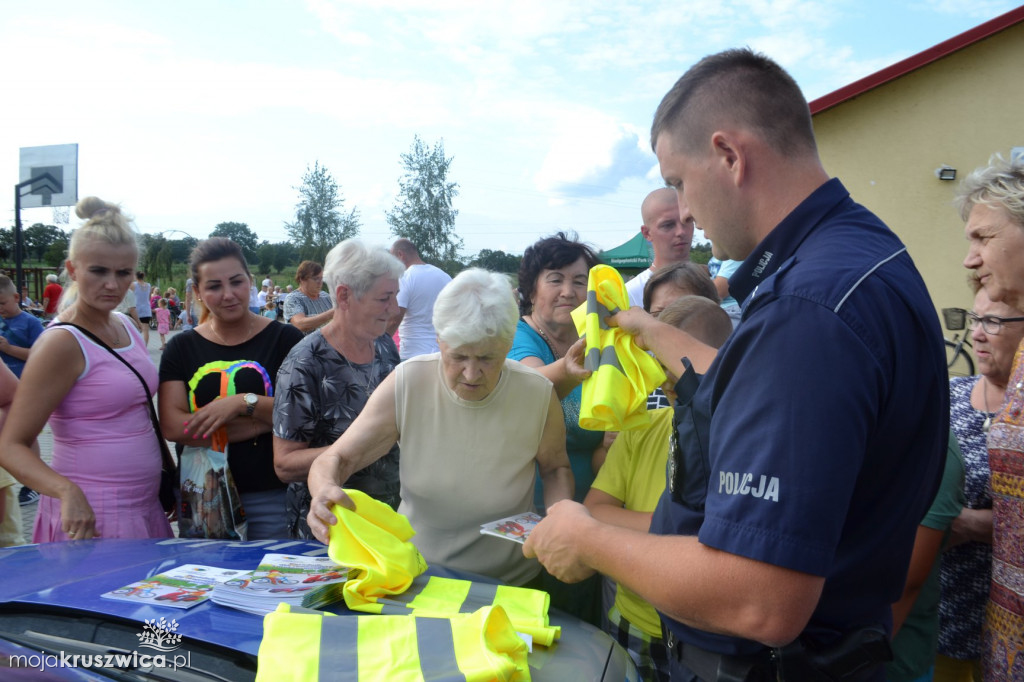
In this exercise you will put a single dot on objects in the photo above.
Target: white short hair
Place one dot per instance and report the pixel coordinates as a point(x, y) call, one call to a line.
point(475, 306)
point(358, 266)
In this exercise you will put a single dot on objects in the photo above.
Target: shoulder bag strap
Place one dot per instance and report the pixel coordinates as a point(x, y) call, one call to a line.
point(165, 453)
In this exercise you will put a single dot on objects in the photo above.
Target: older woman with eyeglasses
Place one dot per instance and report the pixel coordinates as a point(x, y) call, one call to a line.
point(991, 201)
point(996, 330)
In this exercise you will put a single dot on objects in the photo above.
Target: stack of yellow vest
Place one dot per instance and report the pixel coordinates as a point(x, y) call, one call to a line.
point(615, 395)
point(426, 628)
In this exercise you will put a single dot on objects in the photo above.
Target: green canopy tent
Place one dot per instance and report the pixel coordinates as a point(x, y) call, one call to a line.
point(634, 254)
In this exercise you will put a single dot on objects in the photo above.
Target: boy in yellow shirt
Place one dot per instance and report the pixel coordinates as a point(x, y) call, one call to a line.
point(631, 480)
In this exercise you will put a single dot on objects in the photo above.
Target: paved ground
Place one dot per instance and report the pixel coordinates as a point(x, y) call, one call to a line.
point(28, 513)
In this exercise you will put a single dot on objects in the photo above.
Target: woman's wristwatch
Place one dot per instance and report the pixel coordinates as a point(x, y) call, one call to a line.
point(250, 403)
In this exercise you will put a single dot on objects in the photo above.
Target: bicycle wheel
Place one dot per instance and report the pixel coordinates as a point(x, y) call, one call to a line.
point(958, 360)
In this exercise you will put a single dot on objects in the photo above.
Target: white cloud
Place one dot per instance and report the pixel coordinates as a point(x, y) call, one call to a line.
point(591, 155)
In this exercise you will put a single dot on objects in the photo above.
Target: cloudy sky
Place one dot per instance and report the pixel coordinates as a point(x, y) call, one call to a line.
point(195, 112)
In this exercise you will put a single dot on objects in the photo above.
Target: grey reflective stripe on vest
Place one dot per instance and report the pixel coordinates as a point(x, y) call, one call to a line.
point(436, 645)
point(480, 594)
point(595, 306)
point(604, 357)
point(339, 649)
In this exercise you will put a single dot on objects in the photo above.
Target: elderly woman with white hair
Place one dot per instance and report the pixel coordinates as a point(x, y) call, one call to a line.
point(327, 378)
point(472, 425)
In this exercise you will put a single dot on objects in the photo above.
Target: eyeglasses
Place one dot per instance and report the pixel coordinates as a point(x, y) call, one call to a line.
point(990, 323)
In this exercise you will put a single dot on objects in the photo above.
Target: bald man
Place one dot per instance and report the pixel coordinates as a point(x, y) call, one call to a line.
point(670, 232)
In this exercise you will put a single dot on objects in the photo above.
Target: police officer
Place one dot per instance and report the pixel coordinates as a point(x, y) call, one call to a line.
point(811, 446)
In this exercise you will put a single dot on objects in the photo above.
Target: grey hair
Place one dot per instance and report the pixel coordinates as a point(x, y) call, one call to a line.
point(51, 278)
point(358, 266)
point(475, 306)
point(1000, 184)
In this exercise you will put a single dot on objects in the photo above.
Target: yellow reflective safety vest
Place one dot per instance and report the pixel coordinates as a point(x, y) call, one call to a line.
point(615, 395)
point(436, 596)
point(310, 646)
point(374, 539)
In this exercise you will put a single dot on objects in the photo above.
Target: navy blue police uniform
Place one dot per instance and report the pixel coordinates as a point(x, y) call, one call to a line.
point(815, 441)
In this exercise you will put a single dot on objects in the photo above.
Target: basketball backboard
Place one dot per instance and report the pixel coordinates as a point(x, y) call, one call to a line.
point(56, 166)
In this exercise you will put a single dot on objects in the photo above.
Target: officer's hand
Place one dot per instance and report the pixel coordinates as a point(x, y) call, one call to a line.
point(634, 321)
point(555, 541)
point(321, 511)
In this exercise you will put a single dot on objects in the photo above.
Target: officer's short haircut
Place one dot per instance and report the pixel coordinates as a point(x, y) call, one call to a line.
point(737, 87)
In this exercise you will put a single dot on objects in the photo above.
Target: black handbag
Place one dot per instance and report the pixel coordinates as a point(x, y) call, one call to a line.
point(170, 492)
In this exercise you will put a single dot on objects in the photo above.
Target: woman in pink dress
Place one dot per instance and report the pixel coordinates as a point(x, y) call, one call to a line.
point(105, 474)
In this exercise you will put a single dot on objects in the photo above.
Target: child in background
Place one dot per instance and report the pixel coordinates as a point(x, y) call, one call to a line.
point(270, 310)
point(18, 329)
point(630, 482)
point(10, 511)
point(183, 320)
point(163, 321)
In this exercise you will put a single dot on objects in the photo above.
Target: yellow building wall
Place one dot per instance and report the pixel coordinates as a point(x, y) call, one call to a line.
point(886, 144)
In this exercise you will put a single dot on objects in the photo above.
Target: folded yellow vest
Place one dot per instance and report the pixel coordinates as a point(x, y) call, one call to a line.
point(309, 646)
point(615, 395)
point(375, 539)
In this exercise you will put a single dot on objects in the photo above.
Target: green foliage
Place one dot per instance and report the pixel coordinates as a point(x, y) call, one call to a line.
point(56, 253)
point(701, 253)
point(241, 235)
point(497, 261)
point(156, 256)
point(319, 219)
point(276, 257)
point(423, 211)
point(37, 239)
point(7, 242)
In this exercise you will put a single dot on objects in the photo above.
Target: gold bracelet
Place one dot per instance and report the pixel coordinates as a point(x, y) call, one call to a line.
point(255, 432)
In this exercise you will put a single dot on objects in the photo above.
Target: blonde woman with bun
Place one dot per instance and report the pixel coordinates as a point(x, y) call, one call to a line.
point(104, 478)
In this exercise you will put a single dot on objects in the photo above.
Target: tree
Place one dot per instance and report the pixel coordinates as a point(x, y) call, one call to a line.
point(285, 255)
point(497, 261)
point(7, 242)
point(37, 239)
point(56, 253)
point(319, 219)
point(423, 211)
point(157, 255)
point(241, 235)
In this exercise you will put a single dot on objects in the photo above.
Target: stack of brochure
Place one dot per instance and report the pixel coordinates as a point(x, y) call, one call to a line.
point(516, 528)
point(311, 582)
point(181, 587)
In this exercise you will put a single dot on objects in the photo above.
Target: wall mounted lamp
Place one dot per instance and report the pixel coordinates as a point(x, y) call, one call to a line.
point(944, 172)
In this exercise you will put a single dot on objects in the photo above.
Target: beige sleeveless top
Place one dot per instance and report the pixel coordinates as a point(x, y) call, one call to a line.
point(465, 463)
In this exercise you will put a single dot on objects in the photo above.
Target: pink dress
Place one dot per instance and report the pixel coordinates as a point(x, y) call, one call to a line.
point(163, 320)
point(103, 440)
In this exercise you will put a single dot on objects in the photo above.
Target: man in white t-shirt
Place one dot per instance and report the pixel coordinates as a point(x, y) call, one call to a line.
point(417, 291)
point(670, 233)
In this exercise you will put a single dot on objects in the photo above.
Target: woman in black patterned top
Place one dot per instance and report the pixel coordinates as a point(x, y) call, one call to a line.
point(327, 378)
point(967, 561)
